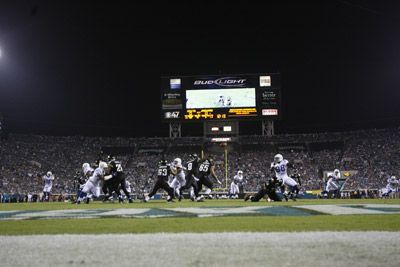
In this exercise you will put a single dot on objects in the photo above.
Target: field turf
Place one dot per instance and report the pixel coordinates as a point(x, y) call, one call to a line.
point(380, 222)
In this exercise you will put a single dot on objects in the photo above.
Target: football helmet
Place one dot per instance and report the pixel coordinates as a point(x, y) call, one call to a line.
point(278, 158)
point(177, 163)
point(49, 173)
point(103, 165)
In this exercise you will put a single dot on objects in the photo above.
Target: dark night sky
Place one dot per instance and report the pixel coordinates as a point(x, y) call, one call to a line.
point(71, 67)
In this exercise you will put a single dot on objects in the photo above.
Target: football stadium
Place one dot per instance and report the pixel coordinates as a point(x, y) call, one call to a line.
point(212, 134)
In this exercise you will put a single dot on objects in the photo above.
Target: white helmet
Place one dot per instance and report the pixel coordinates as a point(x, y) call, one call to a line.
point(393, 177)
point(103, 165)
point(240, 172)
point(178, 163)
point(278, 158)
point(49, 173)
point(336, 171)
point(85, 165)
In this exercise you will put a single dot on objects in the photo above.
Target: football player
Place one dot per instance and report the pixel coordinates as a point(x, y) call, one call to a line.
point(238, 180)
point(179, 180)
point(191, 177)
point(206, 169)
point(391, 186)
point(229, 102)
point(48, 184)
point(269, 189)
point(92, 186)
point(332, 186)
point(221, 101)
point(279, 167)
point(163, 172)
point(118, 181)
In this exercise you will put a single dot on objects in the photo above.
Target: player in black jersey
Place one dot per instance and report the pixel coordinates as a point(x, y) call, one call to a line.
point(163, 172)
point(191, 176)
point(118, 180)
point(268, 188)
point(205, 170)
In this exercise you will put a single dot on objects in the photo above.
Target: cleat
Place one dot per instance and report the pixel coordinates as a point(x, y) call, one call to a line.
point(247, 198)
point(130, 201)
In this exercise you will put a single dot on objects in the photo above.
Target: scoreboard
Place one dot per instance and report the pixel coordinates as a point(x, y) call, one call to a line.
point(221, 97)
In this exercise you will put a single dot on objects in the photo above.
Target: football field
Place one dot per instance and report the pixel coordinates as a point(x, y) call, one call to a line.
point(210, 233)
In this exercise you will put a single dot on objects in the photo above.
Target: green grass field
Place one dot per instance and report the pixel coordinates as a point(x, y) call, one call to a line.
point(385, 222)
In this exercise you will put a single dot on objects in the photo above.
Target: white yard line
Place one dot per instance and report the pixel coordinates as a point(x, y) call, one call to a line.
point(211, 249)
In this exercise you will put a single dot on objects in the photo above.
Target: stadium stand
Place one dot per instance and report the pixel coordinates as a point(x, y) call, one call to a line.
point(372, 154)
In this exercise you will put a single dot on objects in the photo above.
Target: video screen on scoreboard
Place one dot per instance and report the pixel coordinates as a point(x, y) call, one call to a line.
point(221, 98)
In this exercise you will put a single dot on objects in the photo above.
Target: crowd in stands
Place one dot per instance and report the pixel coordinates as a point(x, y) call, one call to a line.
point(372, 155)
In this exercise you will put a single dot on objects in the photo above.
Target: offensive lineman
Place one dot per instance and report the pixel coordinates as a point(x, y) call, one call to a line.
point(163, 172)
point(118, 181)
point(279, 166)
point(237, 181)
point(48, 184)
point(207, 168)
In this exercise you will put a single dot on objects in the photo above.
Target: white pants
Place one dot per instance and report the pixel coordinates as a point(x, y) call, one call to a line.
point(288, 180)
point(234, 188)
point(47, 188)
point(176, 184)
point(91, 189)
point(332, 186)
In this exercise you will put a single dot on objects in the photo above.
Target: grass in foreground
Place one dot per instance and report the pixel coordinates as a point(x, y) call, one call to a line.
point(186, 203)
point(201, 225)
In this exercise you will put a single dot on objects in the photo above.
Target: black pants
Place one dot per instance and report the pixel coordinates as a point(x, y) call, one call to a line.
point(162, 184)
point(271, 193)
point(205, 180)
point(190, 182)
point(116, 184)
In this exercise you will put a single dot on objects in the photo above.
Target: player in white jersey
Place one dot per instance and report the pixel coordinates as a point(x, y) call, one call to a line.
point(48, 184)
point(92, 186)
point(332, 186)
point(279, 167)
point(391, 186)
point(179, 177)
point(238, 180)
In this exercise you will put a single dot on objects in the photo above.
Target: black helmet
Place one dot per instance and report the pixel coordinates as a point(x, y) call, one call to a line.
point(162, 162)
point(193, 156)
point(110, 157)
